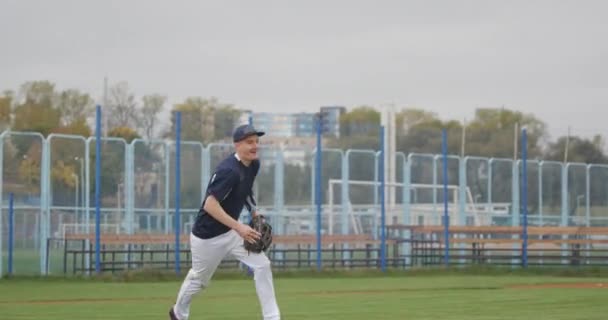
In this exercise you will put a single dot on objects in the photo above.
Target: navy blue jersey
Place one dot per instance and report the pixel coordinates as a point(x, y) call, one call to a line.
point(231, 184)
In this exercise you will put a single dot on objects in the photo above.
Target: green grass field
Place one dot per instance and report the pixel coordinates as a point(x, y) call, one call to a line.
point(407, 296)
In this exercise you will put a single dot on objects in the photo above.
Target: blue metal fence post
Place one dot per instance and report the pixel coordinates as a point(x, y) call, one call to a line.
point(382, 205)
point(97, 187)
point(178, 129)
point(540, 194)
point(446, 217)
point(436, 215)
point(2, 135)
point(11, 233)
point(524, 197)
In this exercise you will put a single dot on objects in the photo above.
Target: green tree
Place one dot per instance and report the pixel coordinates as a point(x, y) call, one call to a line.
point(37, 112)
point(492, 133)
point(124, 132)
point(425, 137)
point(145, 156)
point(226, 117)
point(29, 173)
point(37, 118)
point(112, 165)
point(190, 175)
point(78, 127)
point(74, 106)
point(197, 119)
point(297, 184)
point(408, 118)
point(6, 101)
point(579, 150)
point(112, 169)
point(66, 161)
point(298, 181)
point(420, 131)
point(42, 109)
point(63, 179)
point(361, 120)
point(359, 129)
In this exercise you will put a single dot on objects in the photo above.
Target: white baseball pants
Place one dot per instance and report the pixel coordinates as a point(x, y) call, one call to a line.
point(207, 255)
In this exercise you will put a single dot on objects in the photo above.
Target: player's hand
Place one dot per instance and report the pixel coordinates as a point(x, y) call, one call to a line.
point(247, 233)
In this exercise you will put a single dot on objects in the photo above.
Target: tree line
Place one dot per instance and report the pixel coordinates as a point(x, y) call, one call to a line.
point(491, 133)
point(39, 106)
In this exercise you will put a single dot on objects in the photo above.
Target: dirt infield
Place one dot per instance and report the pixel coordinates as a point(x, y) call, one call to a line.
point(574, 285)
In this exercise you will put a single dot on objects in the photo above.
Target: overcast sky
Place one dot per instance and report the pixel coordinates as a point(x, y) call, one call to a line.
point(549, 58)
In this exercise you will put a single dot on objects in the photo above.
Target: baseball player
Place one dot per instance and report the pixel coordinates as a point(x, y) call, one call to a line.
point(217, 232)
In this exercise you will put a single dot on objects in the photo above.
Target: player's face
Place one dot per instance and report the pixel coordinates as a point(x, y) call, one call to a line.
point(247, 149)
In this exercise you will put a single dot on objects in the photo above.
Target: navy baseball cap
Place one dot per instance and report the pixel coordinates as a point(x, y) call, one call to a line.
point(244, 131)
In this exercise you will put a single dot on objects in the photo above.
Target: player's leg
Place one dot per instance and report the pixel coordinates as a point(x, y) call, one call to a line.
point(206, 256)
point(262, 275)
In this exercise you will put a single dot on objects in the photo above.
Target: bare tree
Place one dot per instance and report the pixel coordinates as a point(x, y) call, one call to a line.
point(147, 118)
point(122, 105)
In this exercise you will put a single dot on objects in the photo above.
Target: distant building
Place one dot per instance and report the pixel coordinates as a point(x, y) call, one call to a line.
point(294, 133)
point(331, 120)
point(244, 118)
point(292, 125)
point(274, 124)
point(295, 150)
point(304, 124)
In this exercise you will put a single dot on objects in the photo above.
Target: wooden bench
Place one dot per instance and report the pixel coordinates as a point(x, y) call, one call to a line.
point(143, 239)
point(120, 251)
point(478, 242)
point(503, 230)
point(120, 239)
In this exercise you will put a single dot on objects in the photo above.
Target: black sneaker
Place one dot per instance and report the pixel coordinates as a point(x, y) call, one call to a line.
point(172, 315)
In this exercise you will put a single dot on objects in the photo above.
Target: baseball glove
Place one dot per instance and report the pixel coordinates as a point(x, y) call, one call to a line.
point(259, 224)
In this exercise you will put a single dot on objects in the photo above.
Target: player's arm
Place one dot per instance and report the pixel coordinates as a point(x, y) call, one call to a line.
point(220, 186)
point(213, 207)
